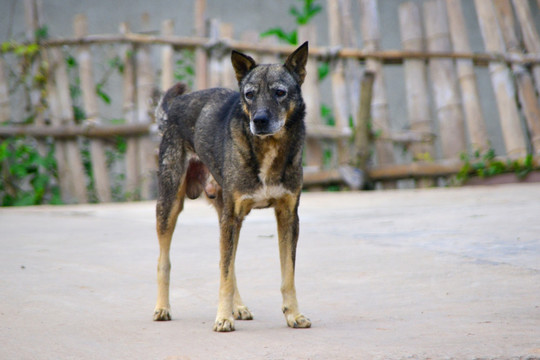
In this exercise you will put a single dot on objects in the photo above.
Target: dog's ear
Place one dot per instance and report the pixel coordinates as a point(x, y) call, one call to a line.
point(296, 62)
point(242, 64)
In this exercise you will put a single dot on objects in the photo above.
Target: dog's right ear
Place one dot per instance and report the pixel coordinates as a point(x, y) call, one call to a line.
point(242, 64)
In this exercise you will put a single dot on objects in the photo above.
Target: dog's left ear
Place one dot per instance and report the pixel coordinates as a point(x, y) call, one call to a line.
point(296, 62)
point(242, 64)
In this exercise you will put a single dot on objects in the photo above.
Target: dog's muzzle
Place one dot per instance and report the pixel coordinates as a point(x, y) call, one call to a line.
point(262, 124)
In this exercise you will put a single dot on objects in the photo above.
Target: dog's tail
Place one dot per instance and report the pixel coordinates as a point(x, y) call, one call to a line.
point(162, 109)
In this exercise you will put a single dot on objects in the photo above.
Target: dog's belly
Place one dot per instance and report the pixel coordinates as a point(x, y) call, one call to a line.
point(266, 195)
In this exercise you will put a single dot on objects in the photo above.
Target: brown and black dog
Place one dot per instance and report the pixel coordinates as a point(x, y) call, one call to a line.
point(244, 151)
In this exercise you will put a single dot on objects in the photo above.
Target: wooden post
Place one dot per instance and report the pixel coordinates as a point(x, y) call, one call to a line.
point(476, 124)
point(310, 90)
point(362, 144)
point(97, 146)
point(226, 32)
point(379, 106)
point(526, 92)
point(530, 35)
point(501, 80)
point(132, 185)
point(167, 57)
point(339, 86)
point(201, 71)
point(5, 111)
point(145, 88)
point(214, 63)
point(70, 169)
point(444, 82)
point(416, 85)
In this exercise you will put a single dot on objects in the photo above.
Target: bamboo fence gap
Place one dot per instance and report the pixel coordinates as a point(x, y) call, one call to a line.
point(501, 81)
point(525, 87)
point(444, 82)
point(476, 124)
point(97, 146)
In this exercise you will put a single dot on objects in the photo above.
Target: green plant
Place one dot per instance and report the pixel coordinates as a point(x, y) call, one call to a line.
point(185, 68)
point(28, 178)
point(486, 165)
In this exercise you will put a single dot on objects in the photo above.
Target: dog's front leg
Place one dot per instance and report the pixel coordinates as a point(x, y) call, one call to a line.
point(230, 224)
point(288, 228)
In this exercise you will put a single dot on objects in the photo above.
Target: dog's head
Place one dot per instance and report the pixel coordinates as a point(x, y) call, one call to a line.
point(270, 93)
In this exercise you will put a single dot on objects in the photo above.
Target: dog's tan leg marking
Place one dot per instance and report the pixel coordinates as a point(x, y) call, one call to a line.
point(288, 228)
point(162, 311)
point(232, 215)
point(240, 311)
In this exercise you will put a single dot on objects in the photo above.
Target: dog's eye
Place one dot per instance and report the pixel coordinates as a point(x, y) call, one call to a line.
point(249, 95)
point(280, 93)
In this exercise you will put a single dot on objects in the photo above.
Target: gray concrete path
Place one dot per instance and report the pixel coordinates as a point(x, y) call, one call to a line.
point(439, 273)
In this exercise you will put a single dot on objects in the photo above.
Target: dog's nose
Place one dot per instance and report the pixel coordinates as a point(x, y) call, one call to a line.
point(261, 119)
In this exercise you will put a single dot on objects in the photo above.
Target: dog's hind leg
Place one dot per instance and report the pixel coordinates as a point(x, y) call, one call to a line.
point(288, 228)
point(172, 190)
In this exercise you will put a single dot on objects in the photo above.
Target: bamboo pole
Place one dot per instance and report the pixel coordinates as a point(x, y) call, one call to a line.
point(5, 110)
point(73, 131)
point(167, 57)
point(501, 80)
point(226, 32)
point(444, 82)
point(415, 79)
point(530, 35)
point(476, 124)
point(145, 87)
point(526, 91)
point(215, 65)
point(70, 169)
point(337, 77)
point(379, 106)
point(362, 129)
point(310, 90)
point(201, 71)
point(132, 185)
point(97, 146)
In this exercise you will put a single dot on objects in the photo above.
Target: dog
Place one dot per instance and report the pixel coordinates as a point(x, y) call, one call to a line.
point(244, 151)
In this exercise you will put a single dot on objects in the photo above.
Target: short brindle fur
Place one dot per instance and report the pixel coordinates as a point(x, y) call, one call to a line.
point(244, 151)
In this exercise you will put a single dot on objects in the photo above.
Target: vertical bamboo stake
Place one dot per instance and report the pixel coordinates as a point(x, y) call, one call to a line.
point(70, 168)
point(167, 60)
point(361, 133)
point(5, 111)
point(201, 75)
point(379, 106)
point(339, 86)
point(132, 186)
point(310, 90)
point(476, 124)
point(226, 32)
point(215, 68)
point(530, 35)
point(501, 80)
point(526, 92)
point(97, 146)
point(145, 88)
point(412, 39)
point(451, 123)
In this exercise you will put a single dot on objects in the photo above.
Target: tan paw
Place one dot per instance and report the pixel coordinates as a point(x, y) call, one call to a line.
point(224, 325)
point(299, 322)
point(242, 313)
point(162, 314)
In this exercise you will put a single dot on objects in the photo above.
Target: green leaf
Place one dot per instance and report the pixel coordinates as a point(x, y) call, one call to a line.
point(104, 96)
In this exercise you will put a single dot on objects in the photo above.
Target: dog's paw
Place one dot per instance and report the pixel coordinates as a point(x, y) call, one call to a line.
point(162, 314)
point(299, 322)
point(224, 325)
point(242, 313)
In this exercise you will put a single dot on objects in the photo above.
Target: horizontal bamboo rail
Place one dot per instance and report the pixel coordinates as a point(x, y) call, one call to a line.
point(320, 52)
point(71, 131)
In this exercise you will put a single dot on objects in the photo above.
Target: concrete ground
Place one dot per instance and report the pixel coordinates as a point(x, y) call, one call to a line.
point(414, 274)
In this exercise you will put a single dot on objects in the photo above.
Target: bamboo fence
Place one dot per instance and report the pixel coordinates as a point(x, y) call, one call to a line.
point(442, 95)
